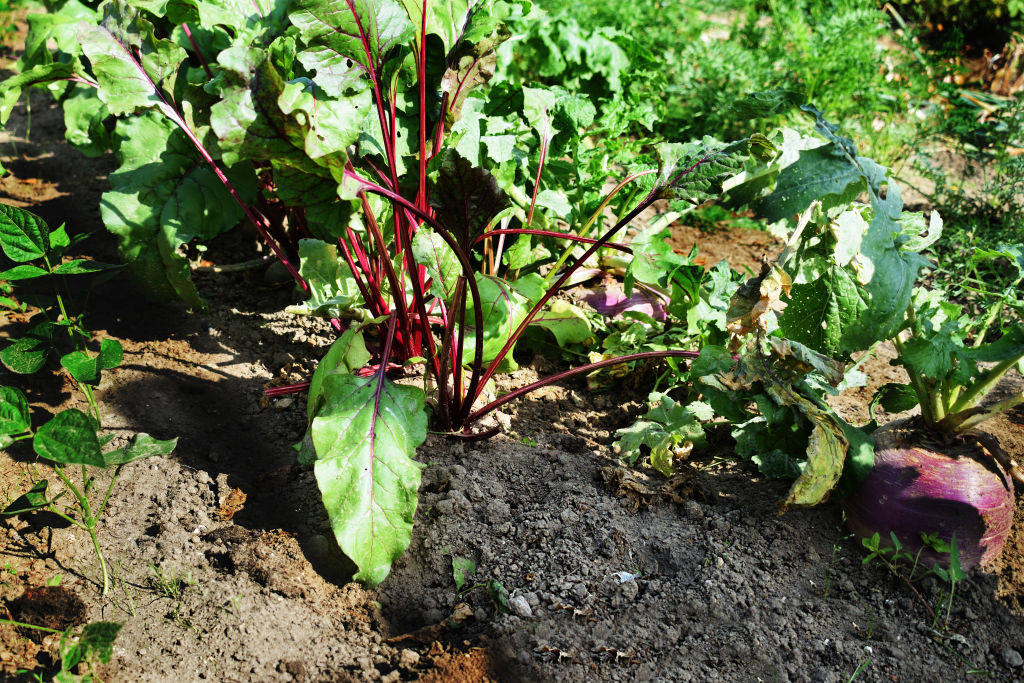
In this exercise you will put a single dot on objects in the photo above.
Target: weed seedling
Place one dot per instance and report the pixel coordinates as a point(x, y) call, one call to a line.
point(70, 441)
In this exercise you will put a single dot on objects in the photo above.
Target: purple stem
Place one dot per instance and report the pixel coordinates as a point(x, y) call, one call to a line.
point(202, 59)
point(512, 395)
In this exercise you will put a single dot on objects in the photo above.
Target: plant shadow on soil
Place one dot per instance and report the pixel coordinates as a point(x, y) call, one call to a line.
point(720, 585)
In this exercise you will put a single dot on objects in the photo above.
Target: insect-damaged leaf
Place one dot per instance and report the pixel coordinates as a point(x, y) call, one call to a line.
point(365, 434)
point(347, 39)
point(465, 197)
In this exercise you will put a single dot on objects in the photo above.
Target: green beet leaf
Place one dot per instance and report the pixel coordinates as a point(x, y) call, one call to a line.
point(70, 439)
point(128, 84)
point(347, 39)
point(347, 354)
point(23, 235)
point(14, 415)
point(443, 267)
point(365, 435)
point(333, 289)
point(141, 446)
point(503, 311)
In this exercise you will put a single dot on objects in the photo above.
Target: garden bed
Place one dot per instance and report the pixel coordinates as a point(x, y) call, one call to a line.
point(226, 568)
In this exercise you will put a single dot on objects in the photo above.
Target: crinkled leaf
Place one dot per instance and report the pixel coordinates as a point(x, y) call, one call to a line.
point(465, 198)
point(14, 415)
point(823, 174)
point(817, 312)
point(23, 235)
point(86, 368)
point(32, 500)
point(895, 398)
point(333, 289)
point(141, 446)
point(329, 125)
point(471, 59)
point(348, 39)
point(365, 435)
point(668, 430)
point(248, 120)
point(694, 172)
point(766, 103)
point(70, 439)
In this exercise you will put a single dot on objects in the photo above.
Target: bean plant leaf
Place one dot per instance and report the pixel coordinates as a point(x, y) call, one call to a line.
point(27, 355)
point(30, 501)
point(83, 267)
point(462, 569)
point(141, 446)
point(69, 439)
point(23, 235)
point(22, 272)
point(95, 642)
point(86, 368)
point(14, 415)
point(365, 435)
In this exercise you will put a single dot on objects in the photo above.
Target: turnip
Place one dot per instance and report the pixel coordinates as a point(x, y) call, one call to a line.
point(934, 473)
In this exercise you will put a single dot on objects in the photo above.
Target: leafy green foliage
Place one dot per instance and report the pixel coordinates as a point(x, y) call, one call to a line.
point(668, 431)
point(365, 434)
point(71, 437)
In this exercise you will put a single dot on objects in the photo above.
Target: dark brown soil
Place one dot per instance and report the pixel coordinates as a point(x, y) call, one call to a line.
point(226, 569)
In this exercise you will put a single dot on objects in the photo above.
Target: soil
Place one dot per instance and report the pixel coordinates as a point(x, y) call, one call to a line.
point(226, 569)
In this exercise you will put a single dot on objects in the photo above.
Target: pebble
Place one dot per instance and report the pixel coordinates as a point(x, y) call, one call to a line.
point(1011, 657)
point(407, 658)
point(520, 606)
